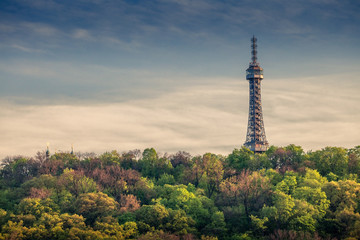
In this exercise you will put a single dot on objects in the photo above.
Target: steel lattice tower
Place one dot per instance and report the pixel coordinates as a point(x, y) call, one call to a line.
point(255, 137)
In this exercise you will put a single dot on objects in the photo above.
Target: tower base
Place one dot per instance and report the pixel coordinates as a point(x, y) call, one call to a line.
point(257, 147)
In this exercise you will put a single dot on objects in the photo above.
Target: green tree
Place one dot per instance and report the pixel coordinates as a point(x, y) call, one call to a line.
point(35, 207)
point(166, 179)
point(354, 160)
point(175, 197)
point(76, 183)
point(144, 190)
point(179, 223)
point(152, 166)
point(213, 170)
point(110, 158)
point(343, 195)
point(330, 159)
point(312, 179)
point(114, 230)
point(217, 226)
point(287, 185)
point(94, 205)
point(152, 215)
point(240, 158)
point(181, 197)
point(314, 196)
point(17, 170)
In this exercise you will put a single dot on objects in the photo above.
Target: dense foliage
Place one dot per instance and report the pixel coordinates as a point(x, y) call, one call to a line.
point(283, 193)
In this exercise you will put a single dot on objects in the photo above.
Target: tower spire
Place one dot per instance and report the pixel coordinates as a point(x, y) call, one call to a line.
point(254, 51)
point(47, 153)
point(255, 137)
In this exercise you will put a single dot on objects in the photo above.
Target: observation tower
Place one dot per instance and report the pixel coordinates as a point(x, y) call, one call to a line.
point(255, 137)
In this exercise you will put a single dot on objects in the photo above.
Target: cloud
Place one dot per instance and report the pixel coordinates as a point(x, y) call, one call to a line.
point(41, 29)
point(82, 34)
point(210, 117)
point(26, 49)
point(63, 82)
point(181, 120)
point(40, 4)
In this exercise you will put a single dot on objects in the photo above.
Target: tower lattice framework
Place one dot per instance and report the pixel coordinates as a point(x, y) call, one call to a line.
point(255, 137)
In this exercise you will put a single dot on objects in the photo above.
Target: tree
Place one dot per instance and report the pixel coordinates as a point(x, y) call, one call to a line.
point(129, 203)
point(175, 197)
point(41, 193)
point(207, 170)
point(280, 213)
point(158, 235)
point(240, 158)
point(52, 166)
point(312, 179)
point(3, 216)
point(152, 215)
point(251, 189)
point(115, 180)
point(152, 166)
point(180, 158)
point(287, 185)
point(330, 159)
point(76, 182)
point(277, 156)
point(35, 206)
point(213, 168)
point(197, 170)
point(17, 170)
point(217, 225)
point(144, 190)
point(295, 156)
point(114, 230)
point(181, 161)
point(129, 159)
point(350, 222)
point(179, 223)
point(304, 217)
point(293, 235)
point(197, 206)
point(343, 195)
point(95, 205)
point(354, 160)
point(69, 160)
point(166, 179)
point(110, 158)
point(290, 157)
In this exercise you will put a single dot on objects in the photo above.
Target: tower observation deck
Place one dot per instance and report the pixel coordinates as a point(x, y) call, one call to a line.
point(255, 137)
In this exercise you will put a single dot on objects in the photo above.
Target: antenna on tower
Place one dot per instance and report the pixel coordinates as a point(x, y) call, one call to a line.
point(254, 51)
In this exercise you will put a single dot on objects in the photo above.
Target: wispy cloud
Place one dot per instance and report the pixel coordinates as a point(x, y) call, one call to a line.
point(82, 34)
point(26, 49)
point(198, 119)
point(40, 4)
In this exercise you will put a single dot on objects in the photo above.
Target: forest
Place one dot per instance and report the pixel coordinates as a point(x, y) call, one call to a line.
point(283, 193)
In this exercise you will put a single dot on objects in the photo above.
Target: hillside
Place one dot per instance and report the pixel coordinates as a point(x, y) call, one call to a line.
point(284, 193)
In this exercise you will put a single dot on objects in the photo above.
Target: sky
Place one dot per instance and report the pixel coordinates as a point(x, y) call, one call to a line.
point(108, 75)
